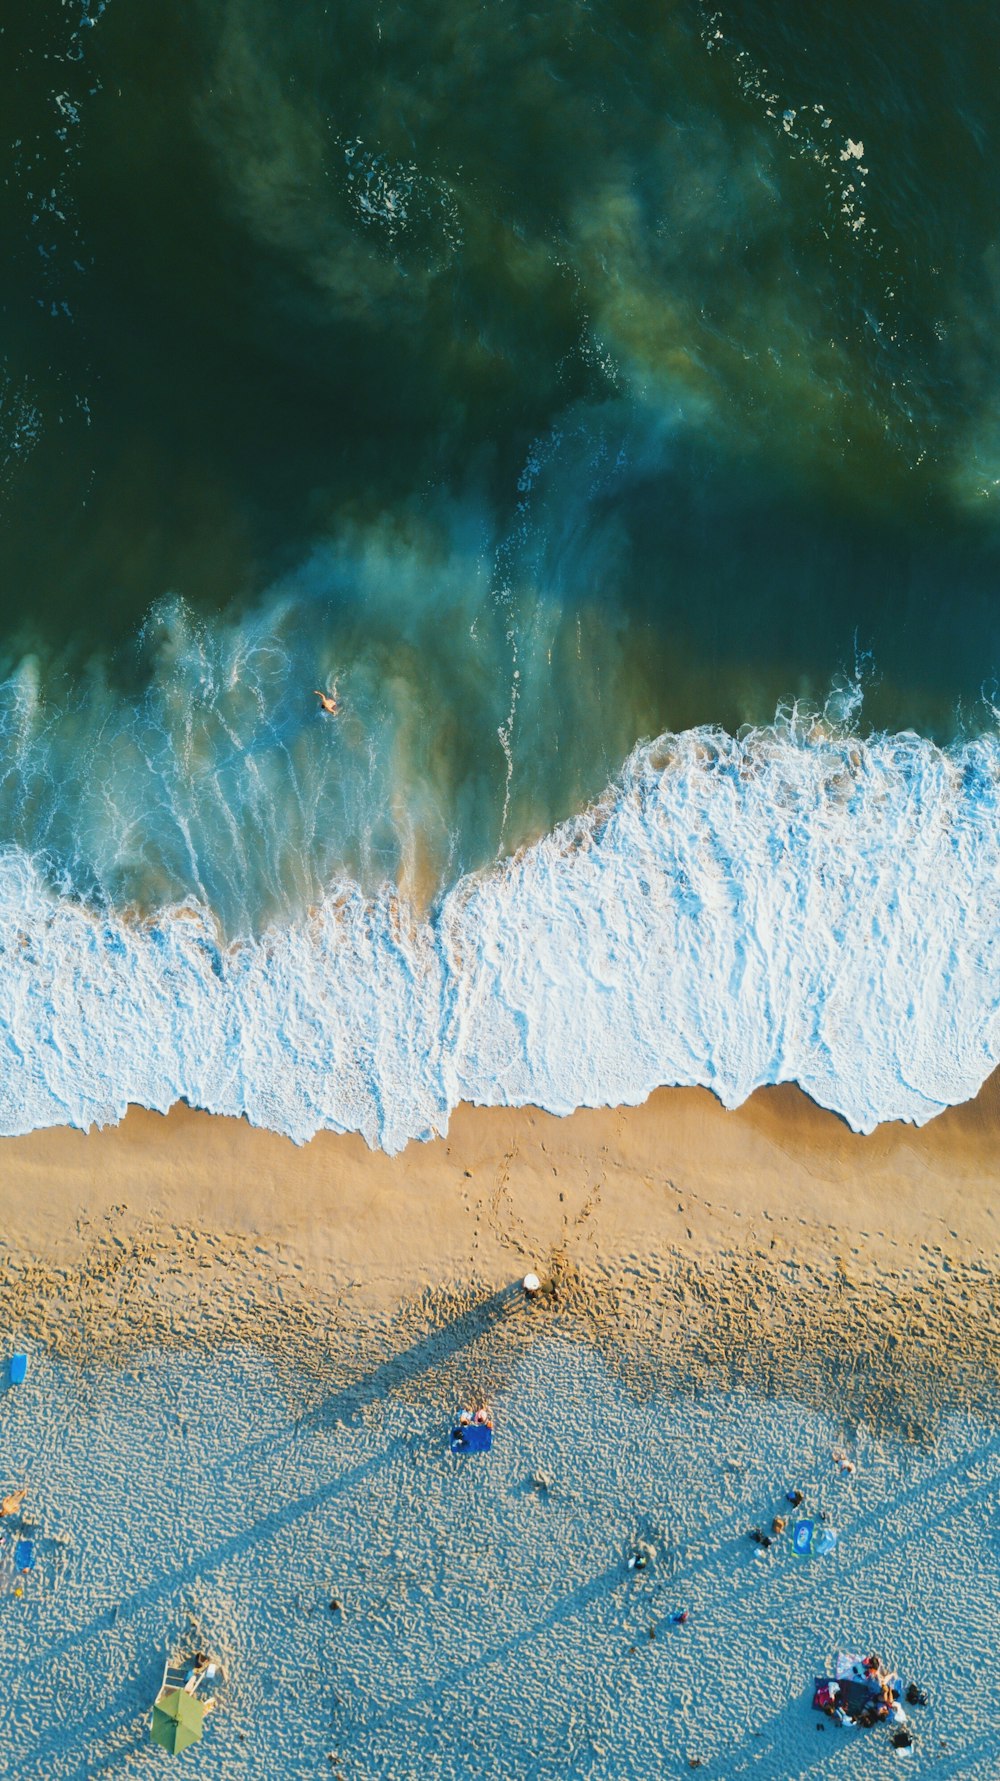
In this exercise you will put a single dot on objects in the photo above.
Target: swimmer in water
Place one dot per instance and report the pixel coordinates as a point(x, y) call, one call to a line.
point(329, 701)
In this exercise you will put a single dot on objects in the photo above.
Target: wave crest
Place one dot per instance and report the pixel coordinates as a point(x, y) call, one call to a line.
point(787, 905)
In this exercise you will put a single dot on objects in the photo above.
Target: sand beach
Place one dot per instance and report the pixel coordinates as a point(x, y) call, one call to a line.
point(244, 1359)
point(499, 552)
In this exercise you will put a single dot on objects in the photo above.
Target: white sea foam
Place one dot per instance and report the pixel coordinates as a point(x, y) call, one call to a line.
point(787, 906)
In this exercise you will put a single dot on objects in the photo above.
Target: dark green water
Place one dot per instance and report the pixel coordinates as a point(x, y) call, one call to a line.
point(550, 377)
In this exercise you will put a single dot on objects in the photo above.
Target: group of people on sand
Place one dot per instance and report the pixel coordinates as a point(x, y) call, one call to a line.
point(794, 1499)
point(870, 1696)
point(883, 1702)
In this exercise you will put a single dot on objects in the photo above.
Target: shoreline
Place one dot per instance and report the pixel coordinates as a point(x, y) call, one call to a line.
point(769, 1246)
point(779, 1158)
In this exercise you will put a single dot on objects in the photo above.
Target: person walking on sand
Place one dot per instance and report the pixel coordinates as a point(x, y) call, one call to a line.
point(11, 1505)
point(329, 701)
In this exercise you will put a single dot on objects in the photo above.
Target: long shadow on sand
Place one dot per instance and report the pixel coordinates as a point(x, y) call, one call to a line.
point(439, 1344)
point(719, 1559)
point(436, 1346)
point(879, 1521)
point(163, 1587)
point(575, 1601)
point(775, 1742)
point(401, 1369)
point(759, 1751)
point(120, 1726)
point(572, 1603)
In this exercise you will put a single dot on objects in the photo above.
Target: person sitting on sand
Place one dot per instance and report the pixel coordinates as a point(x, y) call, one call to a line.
point(11, 1505)
point(483, 1417)
point(329, 701)
point(200, 1667)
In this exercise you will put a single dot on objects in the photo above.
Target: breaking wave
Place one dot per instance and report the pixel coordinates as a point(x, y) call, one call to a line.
point(788, 905)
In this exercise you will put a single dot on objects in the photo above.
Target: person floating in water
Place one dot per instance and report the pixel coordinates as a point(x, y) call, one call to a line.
point(329, 702)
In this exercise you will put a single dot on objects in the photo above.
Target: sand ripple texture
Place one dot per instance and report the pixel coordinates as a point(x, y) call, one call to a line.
point(785, 906)
point(487, 1622)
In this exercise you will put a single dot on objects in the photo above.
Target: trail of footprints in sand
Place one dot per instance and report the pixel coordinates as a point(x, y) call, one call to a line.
point(744, 1315)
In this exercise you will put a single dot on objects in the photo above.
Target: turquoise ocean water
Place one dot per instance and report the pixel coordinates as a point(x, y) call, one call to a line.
point(604, 397)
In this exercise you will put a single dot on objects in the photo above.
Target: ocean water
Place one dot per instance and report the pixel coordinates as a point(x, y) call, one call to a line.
point(603, 399)
point(489, 1624)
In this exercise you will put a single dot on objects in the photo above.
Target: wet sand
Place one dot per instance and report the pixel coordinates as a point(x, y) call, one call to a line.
point(743, 1244)
point(507, 1185)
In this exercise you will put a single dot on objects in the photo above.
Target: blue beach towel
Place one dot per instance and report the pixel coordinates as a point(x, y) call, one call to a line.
point(18, 1368)
point(802, 1535)
point(24, 1555)
point(475, 1437)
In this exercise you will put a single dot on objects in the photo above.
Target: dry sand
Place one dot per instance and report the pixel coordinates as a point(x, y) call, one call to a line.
point(259, 1349)
point(744, 1244)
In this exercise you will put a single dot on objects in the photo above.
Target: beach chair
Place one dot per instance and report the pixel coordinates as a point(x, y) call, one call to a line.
point(177, 1674)
point(174, 1675)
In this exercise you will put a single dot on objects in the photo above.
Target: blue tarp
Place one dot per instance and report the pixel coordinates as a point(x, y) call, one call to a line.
point(475, 1437)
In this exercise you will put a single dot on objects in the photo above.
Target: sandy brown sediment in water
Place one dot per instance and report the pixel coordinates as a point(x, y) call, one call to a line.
point(770, 1245)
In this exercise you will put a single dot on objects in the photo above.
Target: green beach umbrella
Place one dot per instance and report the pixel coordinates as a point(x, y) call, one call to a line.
point(177, 1720)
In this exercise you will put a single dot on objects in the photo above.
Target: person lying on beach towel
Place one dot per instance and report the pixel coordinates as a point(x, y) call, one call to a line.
point(474, 1432)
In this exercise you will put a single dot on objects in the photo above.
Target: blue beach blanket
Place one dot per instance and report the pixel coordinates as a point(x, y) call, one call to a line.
point(475, 1437)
